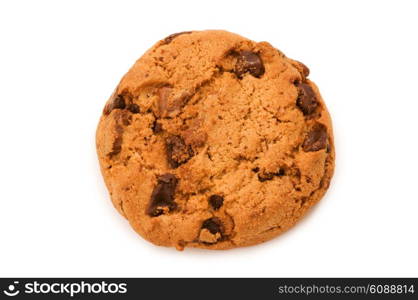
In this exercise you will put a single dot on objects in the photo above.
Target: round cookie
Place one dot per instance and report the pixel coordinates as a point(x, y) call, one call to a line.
point(214, 141)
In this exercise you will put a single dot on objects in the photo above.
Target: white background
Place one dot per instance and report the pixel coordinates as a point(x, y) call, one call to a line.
point(59, 62)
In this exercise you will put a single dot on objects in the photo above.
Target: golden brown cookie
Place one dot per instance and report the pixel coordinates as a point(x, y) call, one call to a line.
point(214, 141)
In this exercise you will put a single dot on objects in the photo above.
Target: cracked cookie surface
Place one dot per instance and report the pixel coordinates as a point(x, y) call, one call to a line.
point(214, 141)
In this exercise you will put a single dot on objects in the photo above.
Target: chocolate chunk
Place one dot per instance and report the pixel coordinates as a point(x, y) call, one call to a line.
point(163, 195)
point(270, 176)
point(214, 225)
point(177, 151)
point(177, 103)
point(163, 93)
point(133, 108)
point(316, 138)
point(265, 177)
point(157, 127)
point(171, 37)
point(216, 201)
point(248, 61)
point(306, 101)
point(328, 148)
point(117, 146)
point(256, 169)
point(116, 103)
point(122, 119)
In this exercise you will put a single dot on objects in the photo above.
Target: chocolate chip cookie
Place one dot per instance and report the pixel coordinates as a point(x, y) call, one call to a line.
point(214, 141)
